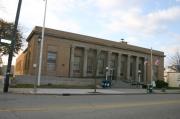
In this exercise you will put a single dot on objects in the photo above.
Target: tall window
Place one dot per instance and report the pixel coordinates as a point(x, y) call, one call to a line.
point(77, 66)
point(131, 69)
point(155, 72)
point(51, 61)
point(112, 64)
point(101, 66)
point(90, 65)
point(140, 67)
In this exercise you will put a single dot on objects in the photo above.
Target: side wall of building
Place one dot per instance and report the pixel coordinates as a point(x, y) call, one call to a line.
point(20, 64)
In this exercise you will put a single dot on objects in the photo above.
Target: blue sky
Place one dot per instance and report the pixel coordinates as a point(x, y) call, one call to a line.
point(145, 23)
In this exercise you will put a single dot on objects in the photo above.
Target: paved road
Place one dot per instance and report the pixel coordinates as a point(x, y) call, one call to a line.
point(16, 106)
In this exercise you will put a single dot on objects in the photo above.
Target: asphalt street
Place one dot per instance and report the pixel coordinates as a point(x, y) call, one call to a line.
point(152, 106)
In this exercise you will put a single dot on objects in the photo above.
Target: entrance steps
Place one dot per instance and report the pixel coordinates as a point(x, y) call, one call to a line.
point(29, 79)
point(124, 84)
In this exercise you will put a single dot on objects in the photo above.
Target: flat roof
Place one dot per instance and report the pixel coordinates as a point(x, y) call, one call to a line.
point(93, 40)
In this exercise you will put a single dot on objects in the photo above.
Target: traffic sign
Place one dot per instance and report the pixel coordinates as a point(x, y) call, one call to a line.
point(6, 41)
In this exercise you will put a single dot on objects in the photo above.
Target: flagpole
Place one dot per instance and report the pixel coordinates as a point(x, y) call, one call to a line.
point(151, 66)
point(41, 47)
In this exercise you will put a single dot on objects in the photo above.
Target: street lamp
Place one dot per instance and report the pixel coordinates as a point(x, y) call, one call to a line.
point(35, 85)
point(107, 73)
point(41, 46)
point(139, 75)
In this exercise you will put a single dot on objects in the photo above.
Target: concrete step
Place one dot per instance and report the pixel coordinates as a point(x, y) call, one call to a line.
point(123, 84)
point(29, 79)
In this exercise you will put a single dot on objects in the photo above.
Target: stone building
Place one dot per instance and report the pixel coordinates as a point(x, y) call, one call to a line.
point(68, 54)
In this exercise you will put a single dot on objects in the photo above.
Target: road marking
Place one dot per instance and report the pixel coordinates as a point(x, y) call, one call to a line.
point(90, 106)
point(18, 109)
point(111, 105)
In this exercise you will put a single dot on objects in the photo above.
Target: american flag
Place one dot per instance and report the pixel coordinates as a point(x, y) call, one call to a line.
point(145, 61)
point(157, 62)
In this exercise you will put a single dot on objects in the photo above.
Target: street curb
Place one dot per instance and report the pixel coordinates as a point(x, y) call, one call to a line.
point(88, 94)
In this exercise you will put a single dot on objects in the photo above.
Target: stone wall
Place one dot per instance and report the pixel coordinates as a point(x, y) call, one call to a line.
point(29, 79)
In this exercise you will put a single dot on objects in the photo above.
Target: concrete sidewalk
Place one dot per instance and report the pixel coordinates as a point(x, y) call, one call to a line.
point(109, 91)
point(43, 91)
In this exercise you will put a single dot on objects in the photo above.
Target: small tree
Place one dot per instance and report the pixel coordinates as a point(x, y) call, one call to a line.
point(6, 29)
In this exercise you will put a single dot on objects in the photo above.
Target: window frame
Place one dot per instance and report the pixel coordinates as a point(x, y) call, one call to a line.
point(51, 61)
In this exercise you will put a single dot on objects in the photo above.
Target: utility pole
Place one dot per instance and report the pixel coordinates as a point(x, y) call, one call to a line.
point(6, 82)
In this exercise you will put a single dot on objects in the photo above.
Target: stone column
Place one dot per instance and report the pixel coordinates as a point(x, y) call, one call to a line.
point(85, 62)
point(72, 61)
point(128, 67)
point(137, 68)
point(119, 66)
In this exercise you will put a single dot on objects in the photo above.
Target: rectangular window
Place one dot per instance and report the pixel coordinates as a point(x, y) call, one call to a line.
point(77, 61)
point(112, 64)
point(131, 69)
point(90, 65)
point(140, 67)
point(101, 66)
point(51, 61)
point(155, 72)
point(123, 68)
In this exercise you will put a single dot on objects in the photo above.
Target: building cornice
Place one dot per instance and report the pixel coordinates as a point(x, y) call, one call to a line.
point(92, 40)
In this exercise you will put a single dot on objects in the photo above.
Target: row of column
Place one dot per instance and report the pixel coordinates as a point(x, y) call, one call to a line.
point(119, 57)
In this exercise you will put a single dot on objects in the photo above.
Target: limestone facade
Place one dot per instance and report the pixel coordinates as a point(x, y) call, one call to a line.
point(73, 55)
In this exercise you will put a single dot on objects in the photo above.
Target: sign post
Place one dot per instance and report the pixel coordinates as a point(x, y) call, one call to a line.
point(12, 45)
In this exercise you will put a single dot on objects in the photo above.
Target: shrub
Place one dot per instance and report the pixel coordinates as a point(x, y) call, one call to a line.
point(161, 84)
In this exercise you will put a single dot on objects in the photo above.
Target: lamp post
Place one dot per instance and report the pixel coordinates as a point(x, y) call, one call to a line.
point(107, 73)
point(139, 76)
point(35, 85)
point(41, 46)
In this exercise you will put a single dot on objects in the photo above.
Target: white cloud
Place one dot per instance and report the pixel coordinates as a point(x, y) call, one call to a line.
point(157, 22)
point(53, 21)
point(133, 21)
point(8, 9)
point(125, 20)
point(57, 18)
point(108, 4)
point(32, 14)
point(166, 15)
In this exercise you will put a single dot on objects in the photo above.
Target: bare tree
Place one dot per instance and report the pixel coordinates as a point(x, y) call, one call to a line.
point(175, 62)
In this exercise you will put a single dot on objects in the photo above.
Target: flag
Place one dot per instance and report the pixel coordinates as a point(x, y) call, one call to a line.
point(145, 61)
point(157, 62)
